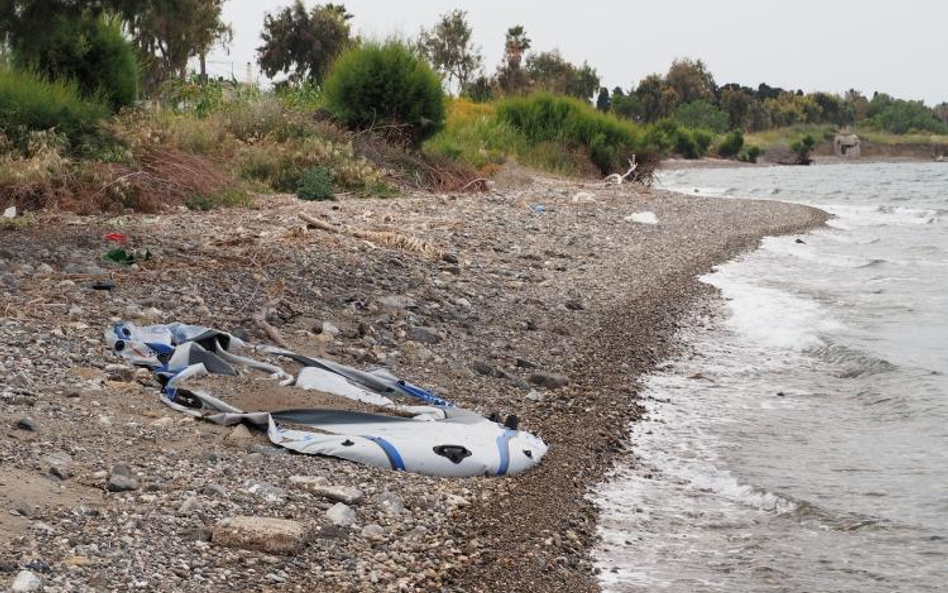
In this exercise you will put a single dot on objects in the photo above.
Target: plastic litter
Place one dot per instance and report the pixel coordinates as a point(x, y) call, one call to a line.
point(643, 218)
point(10, 212)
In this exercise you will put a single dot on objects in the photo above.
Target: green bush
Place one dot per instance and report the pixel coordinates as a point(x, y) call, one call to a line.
point(750, 154)
point(803, 147)
point(575, 124)
point(672, 137)
point(386, 84)
point(731, 145)
point(110, 67)
point(315, 184)
point(89, 50)
point(703, 115)
point(28, 102)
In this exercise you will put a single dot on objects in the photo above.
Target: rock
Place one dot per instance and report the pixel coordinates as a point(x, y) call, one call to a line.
point(268, 492)
point(28, 424)
point(239, 436)
point(44, 269)
point(330, 329)
point(575, 305)
point(450, 258)
point(549, 381)
point(83, 269)
point(454, 500)
point(320, 486)
point(373, 531)
point(123, 479)
point(482, 368)
point(60, 464)
point(398, 302)
point(120, 483)
point(341, 515)
point(120, 373)
point(26, 581)
point(163, 423)
point(262, 534)
point(191, 506)
point(425, 335)
point(214, 490)
point(535, 396)
point(25, 508)
point(390, 502)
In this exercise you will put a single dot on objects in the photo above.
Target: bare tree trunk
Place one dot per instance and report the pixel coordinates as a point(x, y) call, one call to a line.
point(203, 68)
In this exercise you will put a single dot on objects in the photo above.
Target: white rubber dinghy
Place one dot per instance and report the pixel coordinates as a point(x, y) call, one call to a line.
point(433, 438)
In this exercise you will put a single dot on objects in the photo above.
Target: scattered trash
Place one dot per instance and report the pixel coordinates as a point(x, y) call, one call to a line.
point(120, 255)
point(420, 433)
point(584, 197)
point(10, 212)
point(116, 238)
point(103, 285)
point(643, 218)
point(538, 209)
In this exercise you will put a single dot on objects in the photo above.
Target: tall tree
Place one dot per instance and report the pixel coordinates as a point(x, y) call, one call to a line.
point(604, 101)
point(550, 71)
point(691, 81)
point(168, 33)
point(655, 98)
point(940, 112)
point(511, 77)
point(304, 44)
point(449, 48)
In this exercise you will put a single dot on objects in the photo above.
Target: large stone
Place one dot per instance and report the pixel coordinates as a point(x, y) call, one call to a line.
point(341, 515)
point(424, 335)
point(262, 534)
point(28, 424)
point(549, 380)
point(320, 486)
point(398, 302)
point(26, 582)
point(122, 483)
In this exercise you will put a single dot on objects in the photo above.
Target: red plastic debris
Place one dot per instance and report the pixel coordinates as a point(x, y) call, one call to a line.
point(116, 237)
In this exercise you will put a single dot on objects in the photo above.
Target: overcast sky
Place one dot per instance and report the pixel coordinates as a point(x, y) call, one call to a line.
point(900, 47)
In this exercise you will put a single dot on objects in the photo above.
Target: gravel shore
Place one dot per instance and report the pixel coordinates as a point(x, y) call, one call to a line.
point(544, 300)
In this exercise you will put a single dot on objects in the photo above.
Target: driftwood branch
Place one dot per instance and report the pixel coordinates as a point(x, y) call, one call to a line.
point(384, 238)
point(620, 179)
point(260, 319)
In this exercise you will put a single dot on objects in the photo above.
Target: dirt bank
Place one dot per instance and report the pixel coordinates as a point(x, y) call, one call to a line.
point(547, 278)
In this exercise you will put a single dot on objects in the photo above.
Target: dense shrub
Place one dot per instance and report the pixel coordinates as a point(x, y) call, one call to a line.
point(574, 124)
point(802, 148)
point(28, 102)
point(92, 52)
point(702, 115)
point(669, 136)
point(386, 84)
point(731, 145)
point(315, 185)
point(750, 154)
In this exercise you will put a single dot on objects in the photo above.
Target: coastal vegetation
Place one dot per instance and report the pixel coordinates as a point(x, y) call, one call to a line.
point(101, 110)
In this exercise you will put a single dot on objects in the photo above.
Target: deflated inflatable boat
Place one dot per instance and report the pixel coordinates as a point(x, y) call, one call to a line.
point(414, 430)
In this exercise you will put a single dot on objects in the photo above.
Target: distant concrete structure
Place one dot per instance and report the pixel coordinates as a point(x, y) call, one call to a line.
point(847, 146)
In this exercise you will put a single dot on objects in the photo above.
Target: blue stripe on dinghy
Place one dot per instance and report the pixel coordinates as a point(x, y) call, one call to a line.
point(503, 447)
point(390, 451)
point(424, 395)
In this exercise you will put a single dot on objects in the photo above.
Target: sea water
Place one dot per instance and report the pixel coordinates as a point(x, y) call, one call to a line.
point(800, 440)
